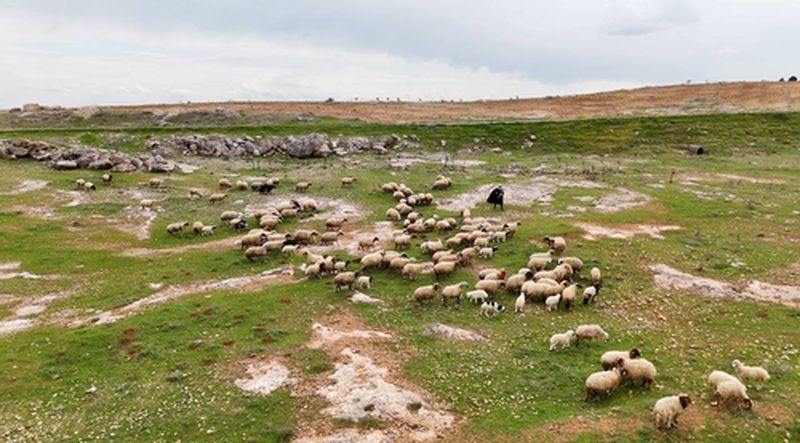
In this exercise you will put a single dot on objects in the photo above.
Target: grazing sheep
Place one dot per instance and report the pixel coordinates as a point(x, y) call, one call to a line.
point(491, 286)
point(519, 304)
point(399, 262)
point(335, 223)
point(305, 236)
point(426, 293)
point(561, 340)
point(224, 183)
point(89, 186)
point(453, 291)
point(345, 279)
point(238, 224)
point(176, 228)
point(431, 246)
point(329, 238)
point(551, 302)
point(393, 214)
point(491, 308)
point(218, 197)
point(639, 370)
point(208, 230)
point(442, 183)
point(596, 277)
point(537, 262)
point(568, 295)
point(602, 384)
point(269, 222)
point(514, 283)
point(667, 409)
point(733, 391)
point(302, 186)
point(242, 185)
point(589, 294)
point(308, 205)
point(288, 213)
point(477, 296)
point(255, 252)
point(487, 253)
point(563, 272)
point(197, 227)
point(107, 177)
point(443, 269)
point(589, 332)
point(412, 271)
point(389, 187)
point(611, 358)
point(195, 193)
point(363, 282)
point(155, 182)
point(314, 270)
point(374, 260)
point(499, 274)
point(347, 181)
point(79, 183)
point(558, 244)
point(755, 374)
point(146, 203)
point(717, 377)
point(574, 262)
point(538, 291)
point(365, 243)
point(481, 242)
point(229, 215)
point(402, 241)
point(273, 181)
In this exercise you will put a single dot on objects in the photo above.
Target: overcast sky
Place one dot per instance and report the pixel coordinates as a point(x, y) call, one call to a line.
point(83, 52)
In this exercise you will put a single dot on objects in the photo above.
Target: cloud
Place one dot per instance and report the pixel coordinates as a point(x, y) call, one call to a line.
point(642, 17)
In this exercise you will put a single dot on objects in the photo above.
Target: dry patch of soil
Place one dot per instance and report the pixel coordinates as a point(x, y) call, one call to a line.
point(29, 313)
point(733, 178)
point(264, 377)
point(404, 161)
point(27, 186)
point(621, 200)
point(596, 231)
point(670, 278)
point(537, 190)
point(215, 245)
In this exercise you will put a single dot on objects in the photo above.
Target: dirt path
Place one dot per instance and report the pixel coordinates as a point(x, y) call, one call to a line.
point(214, 245)
point(27, 186)
point(537, 190)
point(596, 231)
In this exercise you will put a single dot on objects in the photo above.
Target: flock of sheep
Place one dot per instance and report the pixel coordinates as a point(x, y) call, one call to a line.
point(471, 238)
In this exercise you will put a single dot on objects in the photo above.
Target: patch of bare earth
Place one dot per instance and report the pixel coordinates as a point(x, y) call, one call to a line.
point(575, 427)
point(596, 231)
point(671, 278)
point(214, 245)
point(364, 385)
point(263, 377)
point(405, 160)
point(27, 186)
point(537, 190)
point(733, 178)
point(241, 284)
point(620, 200)
point(138, 221)
point(29, 312)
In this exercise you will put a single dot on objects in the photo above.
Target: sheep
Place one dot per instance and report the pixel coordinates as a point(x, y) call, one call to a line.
point(412, 271)
point(288, 212)
point(733, 390)
point(254, 252)
point(399, 262)
point(207, 230)
point(347, 181)
point(229, 215)
point(334, 223)
point(329, 238)
point(89, 186)
point(290, 204)
point(402, 241)
point(393, 214)
point(365, 243)
point(639, 369)
point(477, 296)
point(717, 377)
point(302, 186)
point(79, 183)
point(519, 304)
point(589, 332)
point(491, 286)
point(465, 213)
point(238, 224)
point(305, 236)
point(437, 256)
point(596, 277)
point(491, 308)
point(146, 203)
point(197, 227)
point(426, 293)
point(481, 242)
point(341, 266)
point(345, 279)
point(551, 302)
point(611, 358)
point(487, 253)
point(431, 246)
point(563, 272)
point(363, 282)
point(155, 182)
point(667, 409)
point(546, 274)
point(314, 270)
point(514, 283)
point(558, 244)
point(498, 237)
point(574, 262)
point(273, 181)
point(486, 271)
point(389, 187)
point(568, 295)
point(755, 374)
point(443, 269)
point(453, 291)
point(540, 291)
point(308, 205)
point(175, 228)
point(269, 222)
point(561, 340)
point(374, 260)
point(107, 177)
point(217, 197)
point(602, 384)
point(289, 249)
point(242, 185)
point(224, 183)
point(499, 274)
point(467, 255)
point(442, 183)
point(539, 262)
point(589, 294)
point(195, 193)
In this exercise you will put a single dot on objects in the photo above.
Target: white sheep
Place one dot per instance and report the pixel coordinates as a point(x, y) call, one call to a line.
point(519, 304)
point(255, 252)
point(733, 391)
point(561, 340)
point(146, 203)
point(345, 279)
point(755, 374)
point(589, 294)
point(589, 332)
point(667, 409)
point(575, 262)
point(364, 282)
point(558, 244)
point(596, 277)
point(217, 197)
point(426, 293)
point(453, 291)
point(155, 182)
point(552, 302)
point(491, 286)
point(208, 230)
point(640, 370)
point(602, 384)
point(568, 295)
point(224, 183)
point(412, 271)
point(89, 186)
point(717, 377)
point(611, 358)
point(478, 296)
point(107, 177)
point(175, 228)
point(197, 227)
point(79, 183)
point(373, 260)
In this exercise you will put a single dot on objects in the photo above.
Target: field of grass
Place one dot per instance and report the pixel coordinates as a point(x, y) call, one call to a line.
point(166, 373)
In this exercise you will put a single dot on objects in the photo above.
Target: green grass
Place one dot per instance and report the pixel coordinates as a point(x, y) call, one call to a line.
point(153, 386)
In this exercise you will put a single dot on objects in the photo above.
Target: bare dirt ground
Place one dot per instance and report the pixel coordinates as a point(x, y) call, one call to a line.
point(596, 231)
point(657, 100)
point(536, 190)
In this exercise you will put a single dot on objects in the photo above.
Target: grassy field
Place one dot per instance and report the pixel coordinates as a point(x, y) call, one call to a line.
point(167, 373)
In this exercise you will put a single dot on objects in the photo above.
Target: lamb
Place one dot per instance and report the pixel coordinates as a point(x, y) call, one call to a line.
point(667, 409)
point(374, 260)
point(347, 181)
point(568, 295)
point(334, 223)
point(254, 252)
point(558, 244)
point(224, 183)
point(175, 228)
point(611, 358)
point(491, 286)
point(491, 308)
point(426, 293)
point(289, 249)
point(328, 238)
point(146, 203)
point(561, 340)
point(89, 186)
point(345, 279)
point(197, 227)
point(589, 332)
point(363, 282)
point(519, 304)
point(478, 296)
point(453, 291)
point(229, 215)
point(717, 377)
point(412, 271)
point(589, 294)
point(755, 374)
point(551, 302)
point(443, 269)
point(602, 384)
point(155, 182)
point(107, 177)
point(596, 277)
point(302, 186)
point(487, 253)
point(733, 390)
point(217, 197)
point(639, 369)
point(79, 183)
